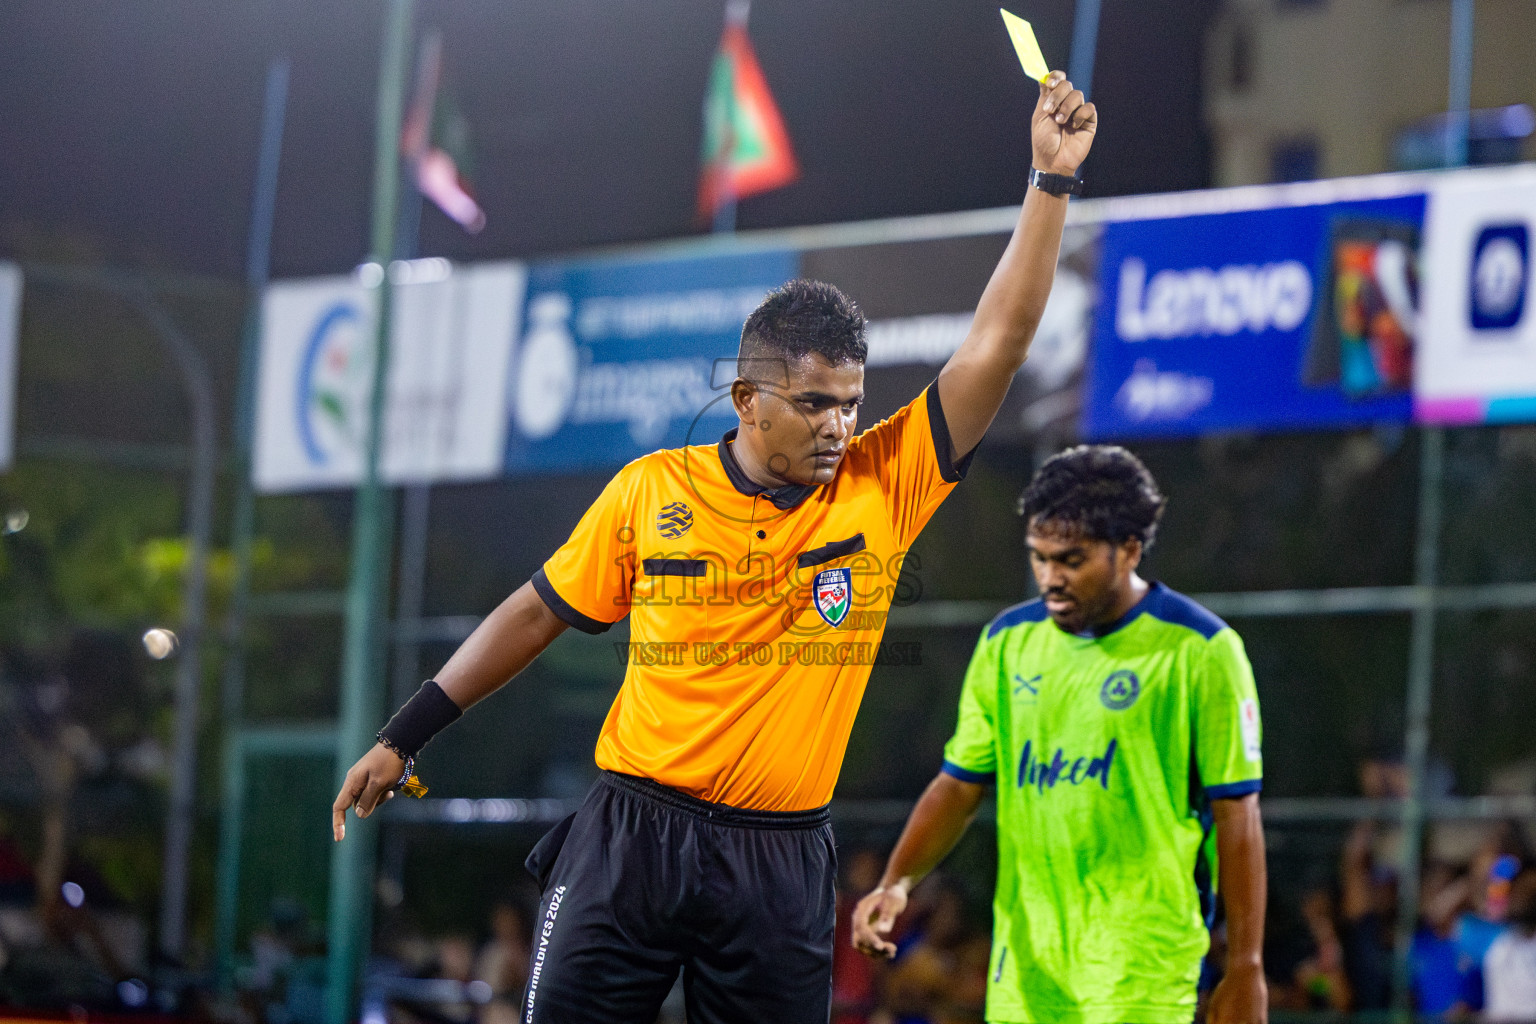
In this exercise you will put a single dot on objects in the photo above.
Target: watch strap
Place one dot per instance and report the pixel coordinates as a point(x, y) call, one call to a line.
point(1055, 184)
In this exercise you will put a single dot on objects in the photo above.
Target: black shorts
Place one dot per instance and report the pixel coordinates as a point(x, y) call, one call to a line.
point(645, 881)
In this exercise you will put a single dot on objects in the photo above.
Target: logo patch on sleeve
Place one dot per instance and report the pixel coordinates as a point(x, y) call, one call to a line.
point(1248, 719)
point(832, 592)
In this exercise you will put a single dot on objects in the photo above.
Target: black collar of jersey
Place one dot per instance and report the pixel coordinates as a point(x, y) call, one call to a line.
point(787, 497)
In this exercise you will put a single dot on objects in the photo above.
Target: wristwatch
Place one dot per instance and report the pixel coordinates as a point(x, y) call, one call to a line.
point(1055, 184)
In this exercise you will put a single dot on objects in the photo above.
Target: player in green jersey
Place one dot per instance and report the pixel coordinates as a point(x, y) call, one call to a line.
point(1119, 723)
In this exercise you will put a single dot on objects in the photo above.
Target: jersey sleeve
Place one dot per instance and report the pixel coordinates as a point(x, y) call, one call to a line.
point(911, 456)
point(971, 753)
point(588, 581)
point(1228, 732)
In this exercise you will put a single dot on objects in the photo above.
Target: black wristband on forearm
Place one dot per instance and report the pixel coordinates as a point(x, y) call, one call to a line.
point(425, 715)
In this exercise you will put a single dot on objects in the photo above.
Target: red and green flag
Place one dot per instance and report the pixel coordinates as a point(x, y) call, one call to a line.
point(746, 148)
point(435, 143)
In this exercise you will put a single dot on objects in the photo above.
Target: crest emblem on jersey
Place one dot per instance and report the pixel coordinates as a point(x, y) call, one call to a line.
point(1120, 690)
point(674, 520)
point(832, 592)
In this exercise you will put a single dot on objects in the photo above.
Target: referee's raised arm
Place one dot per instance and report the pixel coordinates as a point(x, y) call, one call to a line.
point(974, 382)
point(499, 648)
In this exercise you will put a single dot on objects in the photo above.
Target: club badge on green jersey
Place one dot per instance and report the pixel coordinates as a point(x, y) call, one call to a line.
point(1120, 690)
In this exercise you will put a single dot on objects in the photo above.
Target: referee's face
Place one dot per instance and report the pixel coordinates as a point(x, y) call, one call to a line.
point(796, 430)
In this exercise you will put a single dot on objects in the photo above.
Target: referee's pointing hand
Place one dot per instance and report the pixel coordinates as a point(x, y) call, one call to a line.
point(370, 782)
point(875, 916)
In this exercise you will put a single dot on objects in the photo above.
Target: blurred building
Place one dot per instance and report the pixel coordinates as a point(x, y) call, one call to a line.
point(1302, 89)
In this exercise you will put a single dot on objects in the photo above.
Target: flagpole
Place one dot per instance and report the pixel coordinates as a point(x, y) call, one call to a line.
point(736, 14)
point(258, 266)
point(1085, 40)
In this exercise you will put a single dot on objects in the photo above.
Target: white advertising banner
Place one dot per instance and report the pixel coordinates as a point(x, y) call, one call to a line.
point(445, 414)
point(10, 318)
point(1477, 357)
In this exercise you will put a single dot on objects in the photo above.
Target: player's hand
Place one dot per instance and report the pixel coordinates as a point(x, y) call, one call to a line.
point(370, 782)
point(1063, 126)
point(874, 917)
point(1242, 997)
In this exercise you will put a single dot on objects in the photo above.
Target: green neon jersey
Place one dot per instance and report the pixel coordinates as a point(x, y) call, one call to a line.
point(1106, 750)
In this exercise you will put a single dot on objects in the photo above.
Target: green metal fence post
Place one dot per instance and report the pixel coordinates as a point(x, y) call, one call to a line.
point(232, 697)
point(351, 888)
point(1421, 675)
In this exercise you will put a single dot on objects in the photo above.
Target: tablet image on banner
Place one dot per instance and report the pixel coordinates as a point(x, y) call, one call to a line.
point(622, 357)
point(1273, 319)
point(1362, 335)
point(1478, 363)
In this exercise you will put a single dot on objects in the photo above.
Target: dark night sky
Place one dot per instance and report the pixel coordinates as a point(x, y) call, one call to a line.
point(130, 128)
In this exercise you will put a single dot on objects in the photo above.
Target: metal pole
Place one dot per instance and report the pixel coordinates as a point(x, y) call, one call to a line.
point(258, 260)
point(179, 815)
point(1085, 41)
point(417, 501)
point(1459, 102)
point(1421, 668)
point(414, 528)
point(352, 861)
point(1421, 655)
point(414, 524)
point(736, 13)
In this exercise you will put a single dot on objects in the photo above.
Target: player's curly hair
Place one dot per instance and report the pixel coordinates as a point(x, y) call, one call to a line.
point(801, 318)
point(1100, 490)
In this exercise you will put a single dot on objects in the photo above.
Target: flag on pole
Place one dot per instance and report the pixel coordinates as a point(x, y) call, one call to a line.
point(746, 148)
point(435, 143)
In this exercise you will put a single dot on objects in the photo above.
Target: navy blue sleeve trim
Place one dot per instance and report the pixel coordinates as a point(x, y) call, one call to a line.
point(1029, 611)
point(562, 609)
point(966, 775)
point(1172, 606)
point(952, 471)
point(1233, 790)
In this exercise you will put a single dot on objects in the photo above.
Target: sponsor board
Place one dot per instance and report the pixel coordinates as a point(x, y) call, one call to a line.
point(1478, 360)
point(1265, 319)
point(622, 357)
point(451, 337)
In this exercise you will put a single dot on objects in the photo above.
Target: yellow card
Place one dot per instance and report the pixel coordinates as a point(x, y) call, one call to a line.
point(1024, 42)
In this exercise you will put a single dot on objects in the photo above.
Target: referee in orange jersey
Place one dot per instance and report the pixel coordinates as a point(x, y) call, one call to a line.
point(756, 574)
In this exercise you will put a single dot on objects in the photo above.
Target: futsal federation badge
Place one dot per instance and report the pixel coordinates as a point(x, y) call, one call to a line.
point(833, 594)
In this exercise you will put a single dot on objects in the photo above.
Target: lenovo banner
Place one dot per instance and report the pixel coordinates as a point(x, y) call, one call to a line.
point(1292, 317)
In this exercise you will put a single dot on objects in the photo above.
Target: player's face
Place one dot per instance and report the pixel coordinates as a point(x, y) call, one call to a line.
point(1081, 580)
point(800, 430)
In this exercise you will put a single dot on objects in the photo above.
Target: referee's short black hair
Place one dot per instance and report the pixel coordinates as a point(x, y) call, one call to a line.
point(1101, 491)
point(802, 318)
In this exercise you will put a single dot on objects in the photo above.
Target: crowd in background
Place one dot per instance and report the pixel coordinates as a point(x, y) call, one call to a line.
point(1473, 951)
point(1330, 947)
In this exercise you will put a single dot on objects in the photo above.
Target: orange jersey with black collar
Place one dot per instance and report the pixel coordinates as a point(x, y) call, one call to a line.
point(755, 615)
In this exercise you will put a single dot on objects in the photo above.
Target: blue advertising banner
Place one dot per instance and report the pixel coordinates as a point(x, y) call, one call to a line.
point(1284, 318)
point(621, 357)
